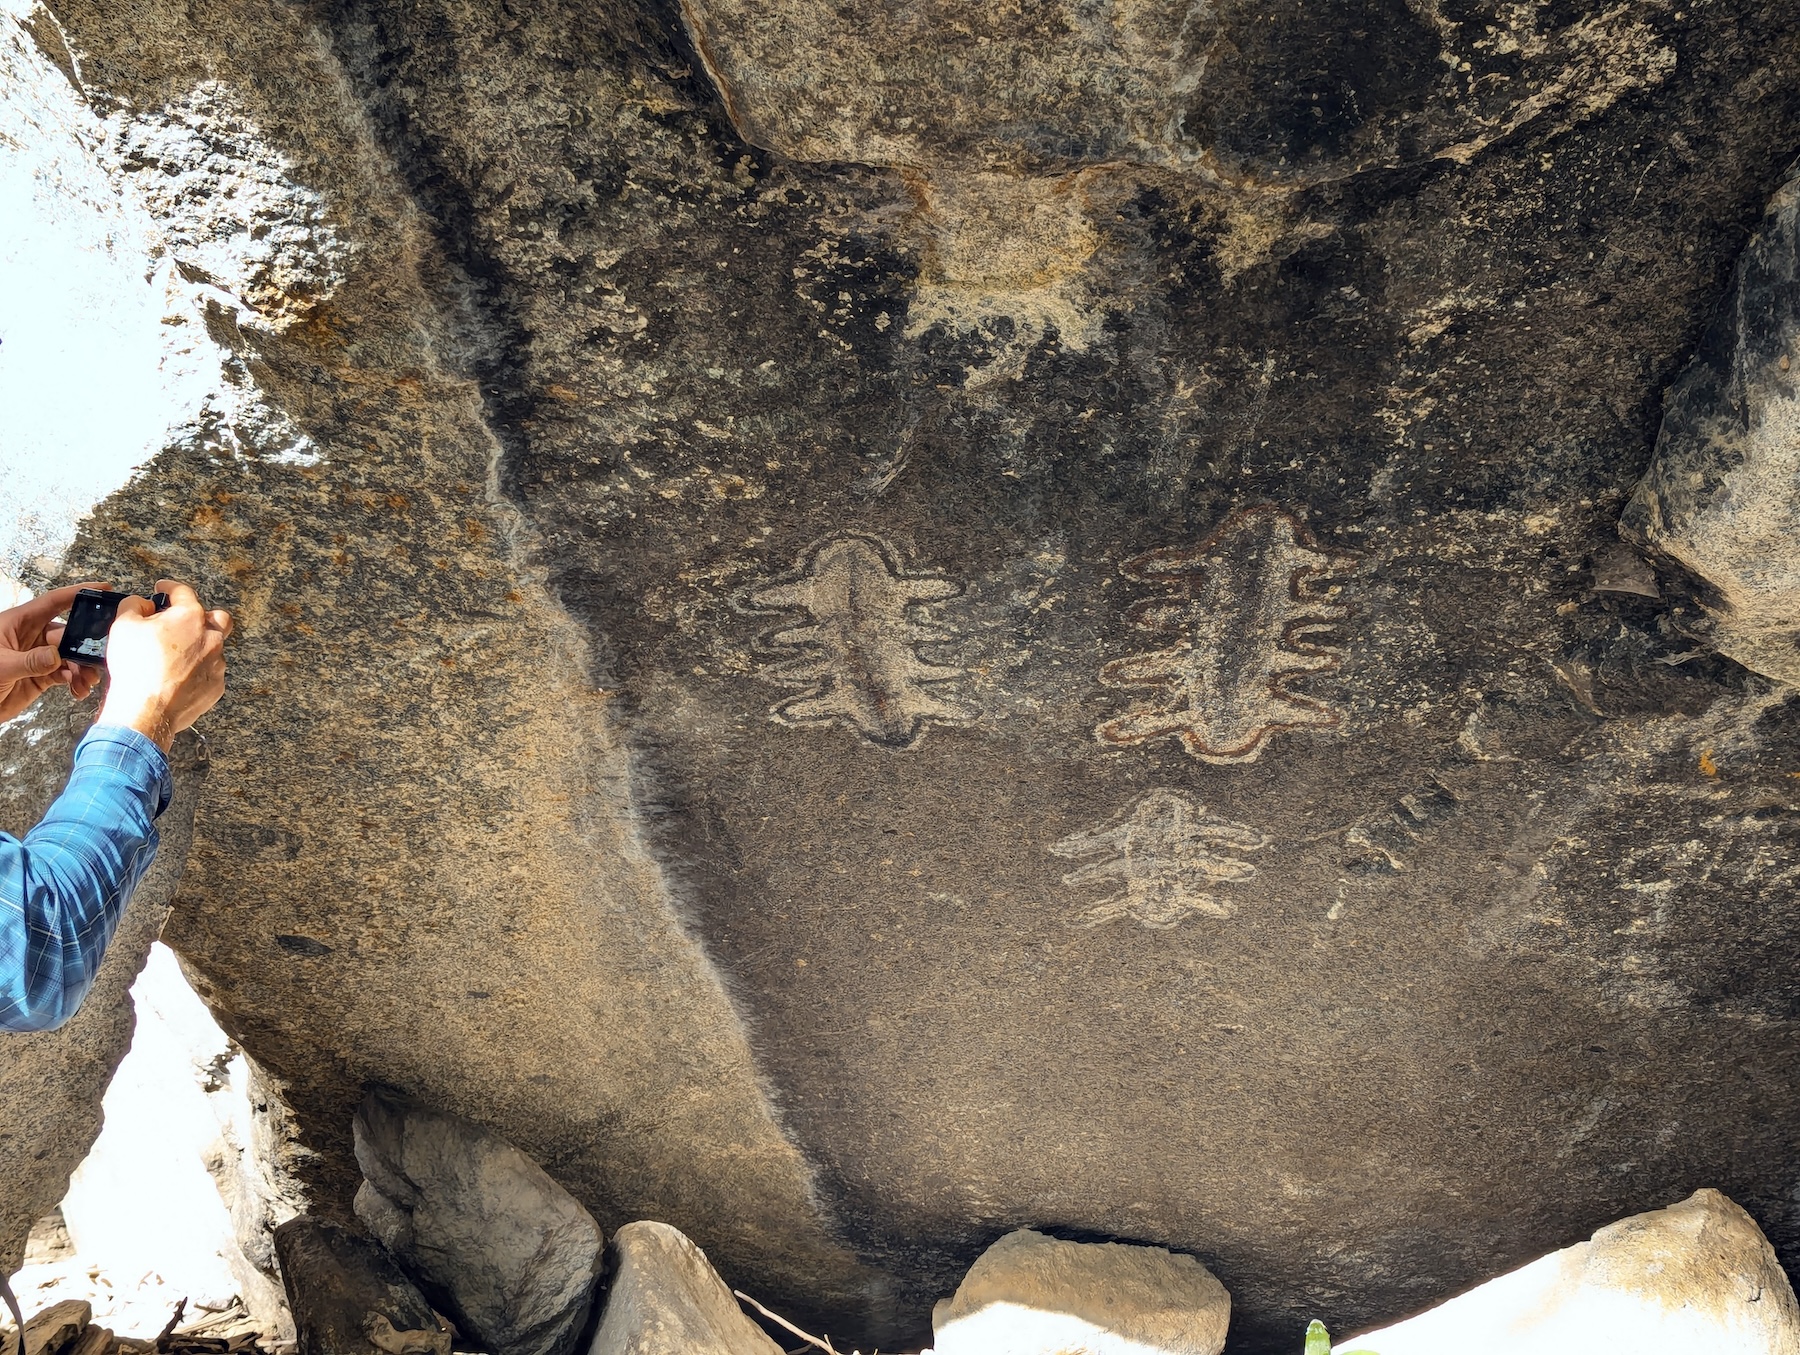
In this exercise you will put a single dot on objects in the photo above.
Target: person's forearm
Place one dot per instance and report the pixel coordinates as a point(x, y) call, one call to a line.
point(64, 888)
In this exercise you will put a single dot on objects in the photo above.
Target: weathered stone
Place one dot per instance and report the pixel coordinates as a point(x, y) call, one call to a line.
point(1723, 491)
point(1697, 1278)
point(52, 1331)
point(348, 1297)
point(1036, 1295)
point(513, 1258)
point(93, 1341)
point(1221, 806)
point(665, 1299)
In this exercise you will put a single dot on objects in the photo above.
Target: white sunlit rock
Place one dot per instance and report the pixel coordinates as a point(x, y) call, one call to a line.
point(666, 1299)
point(143, 1208)
point(1029, 1294)
point(1697, 1278)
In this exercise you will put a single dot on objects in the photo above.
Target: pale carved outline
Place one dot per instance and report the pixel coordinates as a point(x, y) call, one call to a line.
point(1167, 851)
point(859, 659)
point(1253, 610)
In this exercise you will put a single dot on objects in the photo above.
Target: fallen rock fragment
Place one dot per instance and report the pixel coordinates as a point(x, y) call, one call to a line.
point(52, 1331)
point(1029, 1294)
point(349, 1298)
point(509, 1253)
point(93, 1341)
point(666, 1299)
point(1697, 1278)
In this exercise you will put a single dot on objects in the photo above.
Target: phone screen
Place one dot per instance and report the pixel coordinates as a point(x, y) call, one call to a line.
point(90, 618)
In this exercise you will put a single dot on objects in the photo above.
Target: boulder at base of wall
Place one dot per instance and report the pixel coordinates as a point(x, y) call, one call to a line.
point(666, 1299)
point(349, 1298)
point(1697, 1278)
point(1030, 1294)
point(510, 1254)
point(1719, 495)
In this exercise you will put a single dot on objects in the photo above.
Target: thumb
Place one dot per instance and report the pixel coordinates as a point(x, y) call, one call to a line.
point(24, 663)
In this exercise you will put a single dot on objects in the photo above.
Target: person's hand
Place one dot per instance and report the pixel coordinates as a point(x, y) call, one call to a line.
point(29, 663)
point(165, 669)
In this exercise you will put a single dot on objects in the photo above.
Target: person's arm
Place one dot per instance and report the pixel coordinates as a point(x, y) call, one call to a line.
point(66, 884)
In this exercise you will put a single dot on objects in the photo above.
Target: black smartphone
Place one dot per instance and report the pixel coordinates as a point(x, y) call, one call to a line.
point(91, 617)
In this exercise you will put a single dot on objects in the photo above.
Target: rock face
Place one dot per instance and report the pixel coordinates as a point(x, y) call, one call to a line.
point(348, 1297)
point(862, 634)
point(1697, 1278)
point(1721, 493)
point(665, 1299)
point(511, 1255)
point(1036, 1295)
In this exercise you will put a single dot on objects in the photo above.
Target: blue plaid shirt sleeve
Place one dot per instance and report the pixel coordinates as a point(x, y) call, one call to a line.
point(64, 887)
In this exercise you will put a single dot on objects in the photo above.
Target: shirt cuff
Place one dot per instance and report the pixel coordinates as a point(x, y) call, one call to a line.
point(134, 755)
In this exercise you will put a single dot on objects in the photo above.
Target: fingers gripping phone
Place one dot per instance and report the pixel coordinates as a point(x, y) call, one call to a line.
point(91, 617)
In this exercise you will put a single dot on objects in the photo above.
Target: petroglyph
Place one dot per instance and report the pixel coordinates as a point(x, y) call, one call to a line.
point(1253, 607)
point(1167, 852)
point(859, 659)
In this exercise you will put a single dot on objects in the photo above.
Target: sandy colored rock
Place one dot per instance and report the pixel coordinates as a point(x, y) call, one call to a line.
point(664, 1298)
point(511, 1256)
point(1697, 1278)
point(1721, 493)
point(53, 1330)
point(1035, 1295)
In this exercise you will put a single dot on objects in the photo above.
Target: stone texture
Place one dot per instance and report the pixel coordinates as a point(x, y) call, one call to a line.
point(1420, 900)
point(1722, 495)
point(1697, 1278)
point(53, 1330)
point(514, 1259)
point(348, 1297)
point(1030, 1294)
point(664, 1298)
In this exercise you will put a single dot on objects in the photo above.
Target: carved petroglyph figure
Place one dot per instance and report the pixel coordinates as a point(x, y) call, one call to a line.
point(1253, 607)
point(1167, 852)
point(859, 659)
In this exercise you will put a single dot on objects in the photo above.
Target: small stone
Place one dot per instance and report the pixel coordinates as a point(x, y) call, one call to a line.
point(1697, 1278)
point(1029, 1294)
point(508, 1253)
point(666, 1299)
point(349, 1298)
point(52, 1331)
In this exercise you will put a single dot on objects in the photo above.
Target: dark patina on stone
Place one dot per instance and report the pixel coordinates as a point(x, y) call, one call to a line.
point(854, 687)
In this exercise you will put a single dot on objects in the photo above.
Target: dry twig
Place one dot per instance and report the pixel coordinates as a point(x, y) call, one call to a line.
point(811, 1340)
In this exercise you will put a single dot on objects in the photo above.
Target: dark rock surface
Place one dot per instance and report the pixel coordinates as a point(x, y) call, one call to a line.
point(349, 1298)
point(855, 686)
point(510, 1256)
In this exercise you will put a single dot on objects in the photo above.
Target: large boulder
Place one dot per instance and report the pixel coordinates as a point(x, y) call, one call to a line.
point(510, 1254)
point(852, 686)
point(1697, 1278)
point(1035, 1295)
point(664, 1298)
point(1721, 493)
